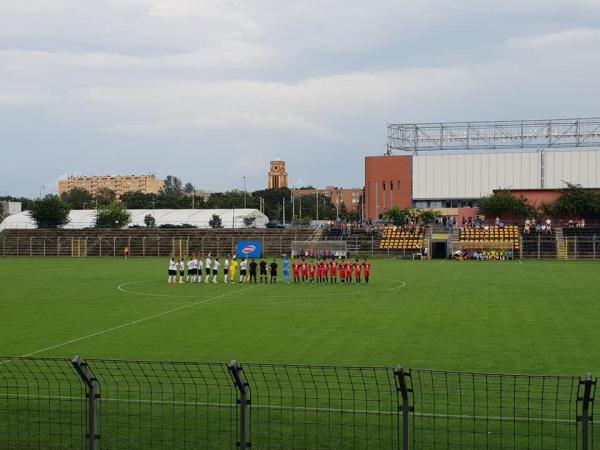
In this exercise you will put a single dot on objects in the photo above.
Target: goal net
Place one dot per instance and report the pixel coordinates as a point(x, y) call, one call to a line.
point(318, 249)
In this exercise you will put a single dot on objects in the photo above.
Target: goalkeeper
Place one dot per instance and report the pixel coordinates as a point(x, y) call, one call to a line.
point(233, 268)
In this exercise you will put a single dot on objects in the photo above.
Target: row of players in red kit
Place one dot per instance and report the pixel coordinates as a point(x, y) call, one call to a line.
point(328, 271)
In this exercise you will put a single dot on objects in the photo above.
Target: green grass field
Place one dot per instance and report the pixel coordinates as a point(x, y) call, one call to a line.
point(530, 317)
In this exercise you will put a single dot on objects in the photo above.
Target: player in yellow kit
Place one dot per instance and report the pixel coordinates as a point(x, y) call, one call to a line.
point(233, 268)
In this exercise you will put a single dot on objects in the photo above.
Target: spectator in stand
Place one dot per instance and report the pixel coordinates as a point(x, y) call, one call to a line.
point(548, 225)
point(497, 221)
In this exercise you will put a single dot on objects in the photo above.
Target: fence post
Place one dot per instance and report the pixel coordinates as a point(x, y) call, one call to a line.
point(92, 395)
point(244, 402)
point(406, 408)
point(585, 417)
point(520, 248)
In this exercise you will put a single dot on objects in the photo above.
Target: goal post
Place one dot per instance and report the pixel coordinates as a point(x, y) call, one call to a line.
point(319, 249)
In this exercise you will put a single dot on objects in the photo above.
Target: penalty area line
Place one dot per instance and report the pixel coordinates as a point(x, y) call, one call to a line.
point(134, 322)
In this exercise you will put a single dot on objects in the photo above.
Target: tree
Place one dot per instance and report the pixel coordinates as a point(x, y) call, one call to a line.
point(188, 188)
point(249, 221)
point(504, 202)
point(114, 215)
point(427, 216)
point(215, 221)
point(78, 198)
point(105, 196)
point(343, 211)
point(171, 194)
point(149, 221)
point(172, 187)
point(137, 199)
point(399, 216)
point(50, 212)
point(230, 199)
point(575, 201)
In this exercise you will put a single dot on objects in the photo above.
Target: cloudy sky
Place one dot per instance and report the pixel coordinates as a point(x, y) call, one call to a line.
point(211, 90)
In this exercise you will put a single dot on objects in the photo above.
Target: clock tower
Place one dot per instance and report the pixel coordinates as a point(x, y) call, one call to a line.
point(277, 175)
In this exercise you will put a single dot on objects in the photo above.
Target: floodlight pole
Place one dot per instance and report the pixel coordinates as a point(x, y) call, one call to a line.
point(244, 177)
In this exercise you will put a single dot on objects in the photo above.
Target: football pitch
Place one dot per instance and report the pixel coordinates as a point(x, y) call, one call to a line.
point(511, 317)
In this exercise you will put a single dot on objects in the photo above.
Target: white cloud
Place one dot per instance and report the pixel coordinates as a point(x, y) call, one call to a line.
point(586, 37)
point(316, 78)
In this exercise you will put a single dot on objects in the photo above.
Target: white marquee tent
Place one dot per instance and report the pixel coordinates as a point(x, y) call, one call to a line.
point(86, 218)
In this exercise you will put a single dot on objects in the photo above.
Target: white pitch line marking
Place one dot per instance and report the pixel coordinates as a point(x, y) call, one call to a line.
point(303, 293)
point(134, 322)
point(301, 408)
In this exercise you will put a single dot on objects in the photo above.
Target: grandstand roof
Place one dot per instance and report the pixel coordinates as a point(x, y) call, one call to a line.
point(86, 218)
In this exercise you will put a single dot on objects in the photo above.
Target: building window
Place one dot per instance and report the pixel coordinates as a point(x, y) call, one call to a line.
point(398, 184)
point(383, 183)
point(391, 185)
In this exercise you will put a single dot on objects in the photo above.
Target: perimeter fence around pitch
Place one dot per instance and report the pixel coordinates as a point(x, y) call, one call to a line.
point(55, 403)
point(183, 243)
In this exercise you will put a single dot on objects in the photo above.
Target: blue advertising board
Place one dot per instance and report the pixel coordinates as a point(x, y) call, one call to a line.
point(249, 249)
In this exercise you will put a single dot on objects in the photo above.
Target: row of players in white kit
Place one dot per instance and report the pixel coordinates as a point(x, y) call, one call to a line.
point(195, 267)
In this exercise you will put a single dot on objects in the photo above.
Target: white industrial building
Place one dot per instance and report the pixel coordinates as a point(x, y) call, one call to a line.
point(475, 175)
point(86, 218)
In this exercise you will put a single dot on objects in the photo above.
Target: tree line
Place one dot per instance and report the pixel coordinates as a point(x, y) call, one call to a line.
point(573, 202)
point(277, 204)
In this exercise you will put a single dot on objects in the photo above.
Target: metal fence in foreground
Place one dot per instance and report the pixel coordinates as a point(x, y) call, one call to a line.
point(79, 404)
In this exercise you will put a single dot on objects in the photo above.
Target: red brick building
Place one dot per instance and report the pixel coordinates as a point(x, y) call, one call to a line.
point(388, 183)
